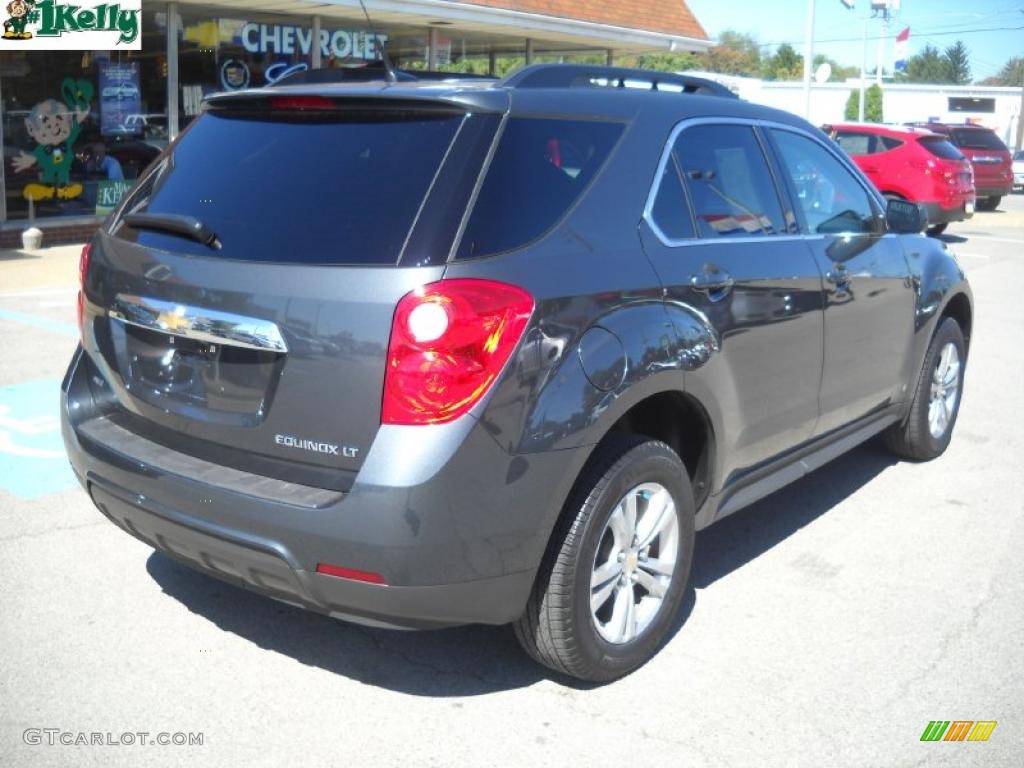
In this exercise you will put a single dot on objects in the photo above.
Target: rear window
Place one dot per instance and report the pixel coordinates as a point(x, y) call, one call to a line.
point(941, 148)
point(338, 188)
point(540, 168)
point(977, 138)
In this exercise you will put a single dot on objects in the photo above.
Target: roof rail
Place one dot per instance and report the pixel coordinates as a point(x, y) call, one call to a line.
point(586, 76)
point(372, 71)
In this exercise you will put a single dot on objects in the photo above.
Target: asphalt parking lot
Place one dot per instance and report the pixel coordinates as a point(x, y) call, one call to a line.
point(826, 625)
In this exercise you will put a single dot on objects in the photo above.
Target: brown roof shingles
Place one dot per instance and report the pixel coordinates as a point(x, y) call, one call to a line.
point(671, 17)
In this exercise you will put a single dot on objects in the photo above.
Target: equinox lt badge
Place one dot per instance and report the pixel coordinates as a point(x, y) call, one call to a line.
point(313, 445)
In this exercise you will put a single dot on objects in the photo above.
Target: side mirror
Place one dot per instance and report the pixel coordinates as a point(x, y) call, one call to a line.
point(905, 218)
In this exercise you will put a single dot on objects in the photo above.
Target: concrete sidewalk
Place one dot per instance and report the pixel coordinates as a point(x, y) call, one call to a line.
point(22, 270)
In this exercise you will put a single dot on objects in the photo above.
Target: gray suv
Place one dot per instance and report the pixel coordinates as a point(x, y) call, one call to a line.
point(418, 354)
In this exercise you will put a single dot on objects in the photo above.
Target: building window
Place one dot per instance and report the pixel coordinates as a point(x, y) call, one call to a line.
point(967, 104)
point(217, 53)
point(79, 126)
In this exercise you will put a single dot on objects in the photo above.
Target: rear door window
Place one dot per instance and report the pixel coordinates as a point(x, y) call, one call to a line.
point(856, 143)
point(337, 188)
point(670, 212)
point(731, 187)
point(940, 147)
point(539, 170)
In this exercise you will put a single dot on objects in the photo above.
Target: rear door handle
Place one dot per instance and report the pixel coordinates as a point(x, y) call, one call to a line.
point(713, 281)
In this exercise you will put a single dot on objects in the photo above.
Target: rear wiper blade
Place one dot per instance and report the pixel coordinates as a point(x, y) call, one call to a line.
point(175, 224)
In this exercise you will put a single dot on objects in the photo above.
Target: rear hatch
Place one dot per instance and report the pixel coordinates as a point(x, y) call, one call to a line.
point(239, 304)
point(988, 155)
point(955, 176)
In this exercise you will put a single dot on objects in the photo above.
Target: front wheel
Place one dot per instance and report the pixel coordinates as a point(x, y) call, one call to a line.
point(938, 229)
point(613, 578)
point(929, 426)
point(988, 203)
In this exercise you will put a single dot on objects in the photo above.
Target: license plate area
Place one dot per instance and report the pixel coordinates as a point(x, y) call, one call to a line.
point(200, 379)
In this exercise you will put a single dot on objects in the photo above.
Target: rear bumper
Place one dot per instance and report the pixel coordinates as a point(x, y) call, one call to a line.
point(457, 543)
point(999, 190)
point(939, 215)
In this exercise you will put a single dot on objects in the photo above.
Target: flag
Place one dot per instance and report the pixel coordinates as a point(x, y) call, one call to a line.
point(901, 50)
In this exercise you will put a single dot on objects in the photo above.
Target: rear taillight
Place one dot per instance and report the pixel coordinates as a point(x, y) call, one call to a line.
point(449, 342)
point(83, 268)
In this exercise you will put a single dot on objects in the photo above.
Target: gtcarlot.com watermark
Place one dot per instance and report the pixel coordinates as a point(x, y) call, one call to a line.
point(59, 737)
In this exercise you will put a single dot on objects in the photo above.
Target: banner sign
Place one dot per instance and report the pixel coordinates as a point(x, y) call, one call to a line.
point(289, 39)
point(86, 25)
point(120, 98)
point(109, 194)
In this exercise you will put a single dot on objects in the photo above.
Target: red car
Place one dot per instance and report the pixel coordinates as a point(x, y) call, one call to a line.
point(912, 164)
point(989, 156)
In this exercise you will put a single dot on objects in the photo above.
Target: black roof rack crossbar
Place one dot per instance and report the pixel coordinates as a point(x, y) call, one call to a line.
point(584, 76)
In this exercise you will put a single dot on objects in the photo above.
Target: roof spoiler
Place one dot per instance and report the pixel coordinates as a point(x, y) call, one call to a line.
point(585, 76)
point(370, 72)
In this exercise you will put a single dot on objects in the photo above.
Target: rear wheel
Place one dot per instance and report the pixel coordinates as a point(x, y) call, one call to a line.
point(937, 229)
point(613, 578)
point(929, 426)
point(988, 203)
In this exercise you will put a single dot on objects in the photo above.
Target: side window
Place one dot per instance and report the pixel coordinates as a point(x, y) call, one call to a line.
point(671, 210)
point(855, 143)
point(888, 142)
point(831, 198)
point(539, 170)
point(729, 182)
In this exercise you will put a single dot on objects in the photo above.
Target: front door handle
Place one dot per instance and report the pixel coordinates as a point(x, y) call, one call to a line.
point(713, 281)
point(838, 275)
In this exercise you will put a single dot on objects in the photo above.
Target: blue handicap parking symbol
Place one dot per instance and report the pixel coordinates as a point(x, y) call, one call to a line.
point(32, 458)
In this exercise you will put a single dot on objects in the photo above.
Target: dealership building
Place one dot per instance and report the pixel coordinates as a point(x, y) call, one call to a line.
point(131, 103)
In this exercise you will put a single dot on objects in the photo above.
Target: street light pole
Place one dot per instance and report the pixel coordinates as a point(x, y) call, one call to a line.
point(863, 71)
point(808, 58)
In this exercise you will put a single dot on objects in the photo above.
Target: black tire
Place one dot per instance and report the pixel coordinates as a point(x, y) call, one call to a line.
point(937, 229)
point(558, 629)
point(988, 203)
point(913, 439)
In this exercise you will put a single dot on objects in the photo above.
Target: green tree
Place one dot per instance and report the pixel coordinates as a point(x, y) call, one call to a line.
point(1012, 73)
point(735, 54)
point(840, 72)
point(786, 64)
point(958, 63)
point(667, 62)
point(872, 105)
point(929, 66)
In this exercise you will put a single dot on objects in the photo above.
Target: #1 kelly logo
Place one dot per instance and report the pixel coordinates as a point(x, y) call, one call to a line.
point(49, 25)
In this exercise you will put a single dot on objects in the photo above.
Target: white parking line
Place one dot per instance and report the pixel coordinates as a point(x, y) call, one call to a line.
point(40, 292)
point(1014, 240)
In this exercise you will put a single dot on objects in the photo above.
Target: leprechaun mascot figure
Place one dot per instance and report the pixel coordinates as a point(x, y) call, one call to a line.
point(55, 127)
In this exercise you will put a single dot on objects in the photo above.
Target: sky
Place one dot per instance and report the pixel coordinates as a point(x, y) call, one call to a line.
point(985, 26)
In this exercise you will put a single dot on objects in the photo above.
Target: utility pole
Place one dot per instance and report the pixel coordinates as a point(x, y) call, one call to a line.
point(851, 5)
point(808, 58)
